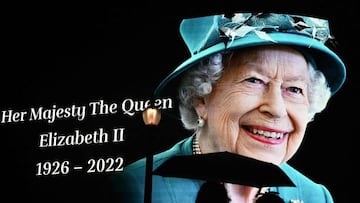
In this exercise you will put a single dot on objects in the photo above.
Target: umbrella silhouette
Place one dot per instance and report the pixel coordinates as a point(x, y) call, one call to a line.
point(225, 167)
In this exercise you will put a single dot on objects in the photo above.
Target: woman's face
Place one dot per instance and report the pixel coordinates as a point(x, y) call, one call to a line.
point(259, 107)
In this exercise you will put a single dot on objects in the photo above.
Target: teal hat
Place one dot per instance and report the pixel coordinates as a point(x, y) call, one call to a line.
point(208, 35)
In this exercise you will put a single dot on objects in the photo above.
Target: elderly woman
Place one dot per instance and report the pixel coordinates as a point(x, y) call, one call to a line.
point(251, 86)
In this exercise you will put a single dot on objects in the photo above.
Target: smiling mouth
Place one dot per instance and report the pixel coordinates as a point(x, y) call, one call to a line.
point(266, 133)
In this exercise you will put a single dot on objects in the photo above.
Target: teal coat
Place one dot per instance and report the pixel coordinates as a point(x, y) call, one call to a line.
point(129, 184)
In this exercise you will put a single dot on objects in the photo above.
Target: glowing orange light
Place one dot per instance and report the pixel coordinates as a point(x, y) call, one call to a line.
point(151, 116)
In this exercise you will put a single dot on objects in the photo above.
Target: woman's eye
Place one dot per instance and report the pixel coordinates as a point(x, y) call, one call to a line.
point(295, 90)
point(254, 80)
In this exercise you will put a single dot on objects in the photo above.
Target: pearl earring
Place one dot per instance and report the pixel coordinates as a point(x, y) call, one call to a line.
point(200, 122)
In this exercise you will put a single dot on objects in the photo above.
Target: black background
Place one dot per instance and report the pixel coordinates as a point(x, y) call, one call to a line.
point(68, 54)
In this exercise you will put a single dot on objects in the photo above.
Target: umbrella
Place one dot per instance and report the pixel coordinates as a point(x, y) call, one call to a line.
point(225, 167)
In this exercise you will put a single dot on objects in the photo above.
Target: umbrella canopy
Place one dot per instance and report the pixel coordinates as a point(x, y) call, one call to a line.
point(225, 167)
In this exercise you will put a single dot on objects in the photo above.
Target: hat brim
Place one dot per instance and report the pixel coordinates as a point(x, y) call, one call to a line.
point(326, 60)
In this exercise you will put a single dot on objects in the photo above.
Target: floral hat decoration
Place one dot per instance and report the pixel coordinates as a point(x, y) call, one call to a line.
point(208, 35)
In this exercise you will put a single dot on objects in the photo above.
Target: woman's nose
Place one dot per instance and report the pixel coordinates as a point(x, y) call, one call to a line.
point(273, 103)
